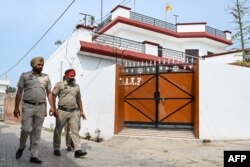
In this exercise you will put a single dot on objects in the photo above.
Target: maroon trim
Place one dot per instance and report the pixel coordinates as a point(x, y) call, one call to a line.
point(120, 6)
point(227, 31)
point(163, 31)
point(117, 53)
point(151, 43)
point(221, 54)
point(224, 53)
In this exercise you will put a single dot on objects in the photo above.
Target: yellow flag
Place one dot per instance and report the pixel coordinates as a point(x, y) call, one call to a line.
point(168, 7)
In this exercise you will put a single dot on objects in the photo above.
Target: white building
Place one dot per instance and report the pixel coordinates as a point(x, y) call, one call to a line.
point(132, 39)
point(3, 87)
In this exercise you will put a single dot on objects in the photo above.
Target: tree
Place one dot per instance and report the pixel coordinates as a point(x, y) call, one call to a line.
point(240, 11)
point(11, 90)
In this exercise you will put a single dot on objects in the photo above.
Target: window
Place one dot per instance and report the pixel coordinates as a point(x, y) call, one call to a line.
point(192, 52)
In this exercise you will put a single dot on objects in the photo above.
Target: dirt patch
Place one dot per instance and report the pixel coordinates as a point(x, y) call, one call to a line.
point(243, 64)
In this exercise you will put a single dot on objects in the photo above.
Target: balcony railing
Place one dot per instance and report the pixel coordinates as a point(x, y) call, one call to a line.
point(178, 56)
point(173, 56)
point(158, 23)
point(120, 43)
point(152, 21)
point(215, 32)
point(104, 23)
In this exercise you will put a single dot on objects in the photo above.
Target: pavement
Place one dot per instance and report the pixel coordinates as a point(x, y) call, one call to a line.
point(119, 151)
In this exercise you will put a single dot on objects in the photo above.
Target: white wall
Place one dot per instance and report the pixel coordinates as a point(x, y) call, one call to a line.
point(191, 27)
point(96, 77)
point(229, 58)
point(151, 49)
point(3, 85)
point(120, 11)
point(180, 44)
point(224, 110)
point(98, 90)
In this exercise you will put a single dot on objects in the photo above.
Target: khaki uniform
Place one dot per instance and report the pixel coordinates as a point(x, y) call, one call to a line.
point(33, 108)
point(67, 113)
point(68, 137)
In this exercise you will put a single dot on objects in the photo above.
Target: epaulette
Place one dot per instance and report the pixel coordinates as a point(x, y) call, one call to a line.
point(26, 72)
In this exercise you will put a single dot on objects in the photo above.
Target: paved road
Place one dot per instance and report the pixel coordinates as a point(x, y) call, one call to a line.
point(119, 151)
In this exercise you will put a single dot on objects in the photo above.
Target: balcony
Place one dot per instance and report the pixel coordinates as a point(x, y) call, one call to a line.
point(197, 27)
point(171, 56)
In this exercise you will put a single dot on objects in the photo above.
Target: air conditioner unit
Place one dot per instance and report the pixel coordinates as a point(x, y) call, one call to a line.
point(1, 112)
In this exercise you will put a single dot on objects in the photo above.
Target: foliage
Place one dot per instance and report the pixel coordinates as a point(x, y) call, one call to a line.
point(240, 12)
point(243, 63)
point(11, 90)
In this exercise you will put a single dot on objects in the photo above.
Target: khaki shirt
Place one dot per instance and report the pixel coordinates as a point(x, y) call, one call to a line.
point(34, 87)
point(67, 94)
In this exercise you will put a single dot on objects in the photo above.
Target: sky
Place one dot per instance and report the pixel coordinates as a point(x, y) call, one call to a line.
point(23, 22)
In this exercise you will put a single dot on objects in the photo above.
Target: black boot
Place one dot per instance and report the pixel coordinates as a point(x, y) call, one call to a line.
point(35, 160)
point(19, 153)
point(79, 153)
point(57, 153)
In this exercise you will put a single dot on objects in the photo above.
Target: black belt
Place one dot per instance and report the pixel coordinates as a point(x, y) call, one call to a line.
point(66, 109)
point(33, 103)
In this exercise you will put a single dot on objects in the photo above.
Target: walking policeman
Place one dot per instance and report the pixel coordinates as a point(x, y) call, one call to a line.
point(33, 87)
point(69, 96)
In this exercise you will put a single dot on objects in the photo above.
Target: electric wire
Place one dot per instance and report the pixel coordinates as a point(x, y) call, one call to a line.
point(5, 73)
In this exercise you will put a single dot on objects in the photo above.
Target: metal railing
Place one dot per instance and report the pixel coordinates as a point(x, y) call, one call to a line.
point(104, 23)
point(172, 56)
point(178, 56)
point(120, 43)
point(158, 23)
point(215, 32)
point(152, 21)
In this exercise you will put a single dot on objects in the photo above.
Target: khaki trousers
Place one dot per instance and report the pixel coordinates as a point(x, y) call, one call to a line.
point(72, 119)
point(68, 133)
point(32, 122)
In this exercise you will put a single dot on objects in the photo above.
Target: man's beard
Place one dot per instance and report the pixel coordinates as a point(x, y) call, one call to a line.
point(71, 81)
point(37, 70)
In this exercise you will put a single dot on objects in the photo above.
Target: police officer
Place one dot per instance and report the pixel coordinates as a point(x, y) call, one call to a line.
point(33, 86)
point(68, 138)
point(69, 96)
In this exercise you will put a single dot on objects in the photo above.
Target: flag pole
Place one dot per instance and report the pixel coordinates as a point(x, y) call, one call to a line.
point(166, 11)
point(134, 5)
point(101, 9)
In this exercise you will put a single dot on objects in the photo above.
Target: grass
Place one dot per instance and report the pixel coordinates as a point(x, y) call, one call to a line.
point(241, 63)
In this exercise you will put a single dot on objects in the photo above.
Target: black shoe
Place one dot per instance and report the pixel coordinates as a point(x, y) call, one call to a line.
point(35, 160)
point(19, 153)
point(79, 154)
point(57, 153)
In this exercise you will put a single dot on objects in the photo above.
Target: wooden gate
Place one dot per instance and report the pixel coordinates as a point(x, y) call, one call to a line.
point(159, 94)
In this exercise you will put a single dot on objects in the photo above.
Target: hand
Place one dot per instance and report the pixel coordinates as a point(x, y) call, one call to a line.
point(83, 116)
point(16, 113)
point(52, 112)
